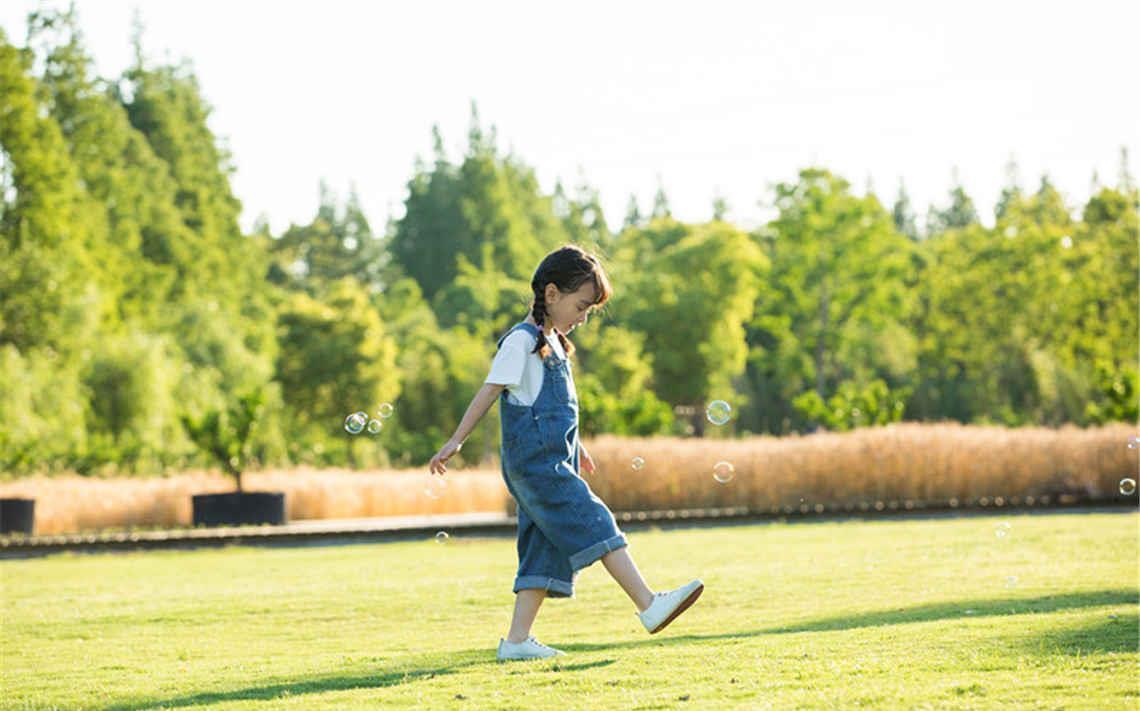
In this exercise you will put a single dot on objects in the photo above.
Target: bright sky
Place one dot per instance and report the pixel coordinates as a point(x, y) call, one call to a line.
point(713, 97)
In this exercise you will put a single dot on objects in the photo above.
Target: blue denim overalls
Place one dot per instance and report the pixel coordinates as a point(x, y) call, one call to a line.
point(563, 526)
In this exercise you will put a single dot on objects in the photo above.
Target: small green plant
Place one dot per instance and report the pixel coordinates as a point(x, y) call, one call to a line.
point(224, 433)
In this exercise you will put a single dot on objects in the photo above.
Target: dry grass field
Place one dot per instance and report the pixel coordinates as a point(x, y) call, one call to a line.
point(892, 467)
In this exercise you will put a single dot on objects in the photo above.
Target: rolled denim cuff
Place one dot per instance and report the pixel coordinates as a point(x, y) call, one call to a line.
point(552, 586)
point(587, 556)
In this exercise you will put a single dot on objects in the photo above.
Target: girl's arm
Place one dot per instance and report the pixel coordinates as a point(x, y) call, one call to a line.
point(475, 411)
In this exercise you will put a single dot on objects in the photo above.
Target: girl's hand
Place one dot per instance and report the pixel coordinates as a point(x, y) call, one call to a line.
point(586, 462)
point(446, 452)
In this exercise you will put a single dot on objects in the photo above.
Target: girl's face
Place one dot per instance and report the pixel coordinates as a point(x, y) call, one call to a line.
point(568, 310)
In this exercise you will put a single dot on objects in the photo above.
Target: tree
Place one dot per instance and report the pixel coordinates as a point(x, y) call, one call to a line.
point(660, 202)
point(632, 214)
point(903, 215)
point(719, 208)
point(46, 269)
point(614, 379)
point(836, 301)
point(960, 213)
point(337, 243)
point(692, 294)
point(583, 218)
point(335, 359)
point(225, 433)
point(489, 207)
point(1010, 194)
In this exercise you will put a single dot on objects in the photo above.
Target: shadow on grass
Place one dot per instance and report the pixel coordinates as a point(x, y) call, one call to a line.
point(408, 672)
point(1109, 637)
point(969, 609)
point(966, 609)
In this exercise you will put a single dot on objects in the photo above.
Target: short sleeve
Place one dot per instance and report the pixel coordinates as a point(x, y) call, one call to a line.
point(507, 367)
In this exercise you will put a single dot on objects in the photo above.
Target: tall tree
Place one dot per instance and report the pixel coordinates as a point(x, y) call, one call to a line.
point(960, 213)
point(338, 243)
point(488, 208)
point(660, 202)
point(1011, 194)
point(633, 216)
point(50, 227)
point(691, 295)
point(336, 358)
point(836, 301)
point(719, 208)
point(903, 214)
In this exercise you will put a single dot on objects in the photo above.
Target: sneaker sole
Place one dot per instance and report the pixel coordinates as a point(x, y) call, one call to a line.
point(685, 605)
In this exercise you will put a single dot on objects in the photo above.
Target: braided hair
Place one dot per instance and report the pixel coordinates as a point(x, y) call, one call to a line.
point(568, 269)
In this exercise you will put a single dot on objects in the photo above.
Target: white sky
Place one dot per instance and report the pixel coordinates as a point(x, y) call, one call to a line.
point(710, 96)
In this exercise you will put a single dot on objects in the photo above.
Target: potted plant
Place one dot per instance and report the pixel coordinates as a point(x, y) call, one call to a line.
point(224, 434)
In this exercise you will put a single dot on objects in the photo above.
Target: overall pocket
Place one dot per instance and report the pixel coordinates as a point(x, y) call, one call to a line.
point(559, 385)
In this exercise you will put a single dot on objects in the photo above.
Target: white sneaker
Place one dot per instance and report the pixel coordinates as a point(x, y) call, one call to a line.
point(667, 606)
point(530, 648)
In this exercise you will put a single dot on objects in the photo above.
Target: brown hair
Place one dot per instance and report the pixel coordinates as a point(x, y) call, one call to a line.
point(568, 269)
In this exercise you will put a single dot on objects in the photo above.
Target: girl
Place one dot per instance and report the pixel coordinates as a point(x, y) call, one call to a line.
point(562, 526)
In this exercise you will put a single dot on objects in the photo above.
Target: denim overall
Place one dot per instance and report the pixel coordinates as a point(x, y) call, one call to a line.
point(563, 526)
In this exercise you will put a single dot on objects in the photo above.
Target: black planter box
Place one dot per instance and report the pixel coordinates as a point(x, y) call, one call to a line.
point(239, 508)
point(17, 515)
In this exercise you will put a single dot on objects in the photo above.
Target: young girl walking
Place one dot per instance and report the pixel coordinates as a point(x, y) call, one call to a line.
point(563, 526)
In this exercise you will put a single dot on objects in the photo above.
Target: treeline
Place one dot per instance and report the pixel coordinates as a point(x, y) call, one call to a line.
point(135, 314)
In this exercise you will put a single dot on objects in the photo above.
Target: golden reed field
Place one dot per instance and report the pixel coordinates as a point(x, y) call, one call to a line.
point(893, 467)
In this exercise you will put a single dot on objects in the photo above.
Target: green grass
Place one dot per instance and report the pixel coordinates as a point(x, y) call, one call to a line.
point(894, 613)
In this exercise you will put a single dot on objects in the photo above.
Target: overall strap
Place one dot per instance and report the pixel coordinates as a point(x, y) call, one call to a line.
point(525, 326)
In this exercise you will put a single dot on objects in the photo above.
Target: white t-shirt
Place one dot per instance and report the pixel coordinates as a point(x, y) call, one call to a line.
point(519, 369)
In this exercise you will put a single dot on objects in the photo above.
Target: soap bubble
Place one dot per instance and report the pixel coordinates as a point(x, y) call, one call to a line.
point(374, 426)
point(1067, 242)
point(1002, 529)
point(723, 472)
point(1011, 581)
point(385, 410)
point(638, 463)
point(1128, 487)
point(1134, 442)
point(441, 537)
point(718, 412)
point(354, 423)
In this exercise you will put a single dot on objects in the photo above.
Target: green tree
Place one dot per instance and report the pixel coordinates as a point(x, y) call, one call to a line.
point(1011, 194)
point(46, 267)
point(960, 213)
point(836, 303)
point(614, 379)
point(338, 243)
point(903, 214)
point(225, 433)
point(719, 208)
point(661, 207)
point(489, 210)
point(335, 358)
point(633, 216)
point(691, 295)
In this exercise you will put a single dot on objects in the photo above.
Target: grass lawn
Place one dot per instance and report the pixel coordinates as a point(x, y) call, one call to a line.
point(916, 613)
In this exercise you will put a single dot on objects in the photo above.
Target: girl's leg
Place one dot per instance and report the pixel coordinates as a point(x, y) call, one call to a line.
point(527, 603)
point(621, 566)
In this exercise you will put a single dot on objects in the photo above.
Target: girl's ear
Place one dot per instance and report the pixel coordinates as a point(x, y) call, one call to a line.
point(551, 293)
